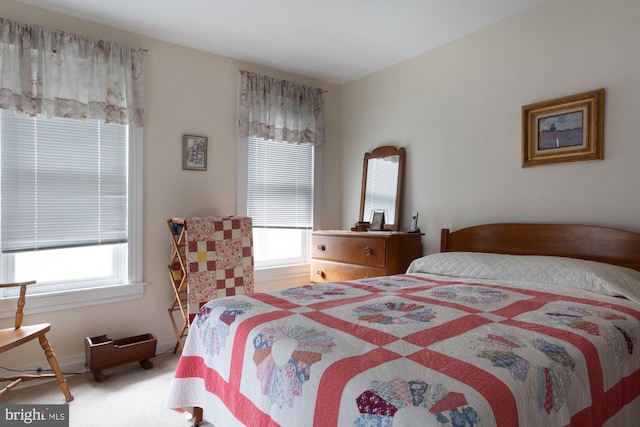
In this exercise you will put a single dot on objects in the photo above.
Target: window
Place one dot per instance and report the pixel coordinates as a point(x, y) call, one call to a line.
point(68, 202)
point(280, 200)
point(281, 131)
point(71, 178)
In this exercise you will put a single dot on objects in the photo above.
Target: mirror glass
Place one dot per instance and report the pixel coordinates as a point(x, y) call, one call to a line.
point(382, 175)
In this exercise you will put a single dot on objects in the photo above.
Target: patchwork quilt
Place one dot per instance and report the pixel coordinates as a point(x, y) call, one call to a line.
point(413, 349)
point(218, 253)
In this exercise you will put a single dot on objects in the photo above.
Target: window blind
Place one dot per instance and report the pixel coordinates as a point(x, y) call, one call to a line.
point(280, 184)
point(64, 182)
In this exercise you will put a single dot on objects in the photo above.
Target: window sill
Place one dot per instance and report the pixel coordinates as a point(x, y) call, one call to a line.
point(280, 273)
point(277, 278)
point(43, 303)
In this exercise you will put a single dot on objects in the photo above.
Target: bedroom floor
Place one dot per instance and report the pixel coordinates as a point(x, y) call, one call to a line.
point(130, 396)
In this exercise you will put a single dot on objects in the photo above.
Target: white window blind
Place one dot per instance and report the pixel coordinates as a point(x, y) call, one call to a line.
point(64, 182)
point(280, 184)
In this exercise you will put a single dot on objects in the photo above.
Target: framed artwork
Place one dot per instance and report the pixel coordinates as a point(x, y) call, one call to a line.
point(194, 152)
point(377, 221)
point(563, 130)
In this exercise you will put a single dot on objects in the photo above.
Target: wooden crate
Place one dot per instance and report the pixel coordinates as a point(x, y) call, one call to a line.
point(102, 352)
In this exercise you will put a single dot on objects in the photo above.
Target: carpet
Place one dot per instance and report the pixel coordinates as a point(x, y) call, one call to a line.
point(129, 396)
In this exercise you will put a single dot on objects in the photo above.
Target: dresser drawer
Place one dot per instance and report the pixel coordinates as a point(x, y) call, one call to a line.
point(356, 250)
point(327, 271)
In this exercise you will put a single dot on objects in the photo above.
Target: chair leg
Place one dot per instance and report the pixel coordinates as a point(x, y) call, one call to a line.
point(53, 362)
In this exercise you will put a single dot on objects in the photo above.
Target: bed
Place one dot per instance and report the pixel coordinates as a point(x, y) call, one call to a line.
point(509, 325)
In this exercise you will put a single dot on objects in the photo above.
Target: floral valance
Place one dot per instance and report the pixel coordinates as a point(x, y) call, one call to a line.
point(280, 110)
point(61, 74)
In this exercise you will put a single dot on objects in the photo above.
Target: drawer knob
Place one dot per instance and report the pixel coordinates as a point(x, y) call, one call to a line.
point(320, 273)
point(367, 251)
point(321, 247)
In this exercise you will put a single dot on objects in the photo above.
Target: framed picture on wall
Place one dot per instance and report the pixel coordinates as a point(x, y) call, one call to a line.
point(562, 130)
point(194, 152)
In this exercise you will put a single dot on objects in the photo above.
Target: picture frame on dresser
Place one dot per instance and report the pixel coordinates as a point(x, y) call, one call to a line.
point(377, 221)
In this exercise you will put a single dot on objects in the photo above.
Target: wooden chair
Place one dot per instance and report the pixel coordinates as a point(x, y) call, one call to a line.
point(14, 337)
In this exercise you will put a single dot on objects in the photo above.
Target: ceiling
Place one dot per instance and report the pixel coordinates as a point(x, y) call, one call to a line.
point(332, 40)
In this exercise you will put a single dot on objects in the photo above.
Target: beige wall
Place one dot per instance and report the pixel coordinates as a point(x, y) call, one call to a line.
point(186, 91)
point(457, 110)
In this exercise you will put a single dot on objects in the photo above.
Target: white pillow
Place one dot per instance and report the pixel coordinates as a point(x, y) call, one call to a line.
point(592, 276)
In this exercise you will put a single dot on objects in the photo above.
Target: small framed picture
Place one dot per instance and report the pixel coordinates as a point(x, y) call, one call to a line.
point(194, 152)
point(377, 222)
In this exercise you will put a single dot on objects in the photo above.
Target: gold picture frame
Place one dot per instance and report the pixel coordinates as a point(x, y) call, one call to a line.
point(563, 130)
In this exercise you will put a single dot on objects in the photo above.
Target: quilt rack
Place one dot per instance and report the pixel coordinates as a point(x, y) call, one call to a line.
point(178, 276)
point(211, 257)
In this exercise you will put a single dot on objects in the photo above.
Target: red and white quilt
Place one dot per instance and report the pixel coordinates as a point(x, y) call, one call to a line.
point(415, 349)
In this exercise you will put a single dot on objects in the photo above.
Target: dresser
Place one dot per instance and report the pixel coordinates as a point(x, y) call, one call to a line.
point(346, 255)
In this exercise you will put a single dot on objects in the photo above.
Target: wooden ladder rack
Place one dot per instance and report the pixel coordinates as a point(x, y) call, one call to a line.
point(178, 275)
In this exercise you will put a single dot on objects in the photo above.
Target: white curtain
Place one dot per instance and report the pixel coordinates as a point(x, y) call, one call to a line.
point(280, 110)
point(60, 74)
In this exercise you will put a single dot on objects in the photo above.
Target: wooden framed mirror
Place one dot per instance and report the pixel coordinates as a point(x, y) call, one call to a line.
point(382, 177)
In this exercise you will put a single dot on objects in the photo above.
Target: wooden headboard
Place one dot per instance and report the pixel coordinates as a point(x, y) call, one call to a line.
point(603, 244)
